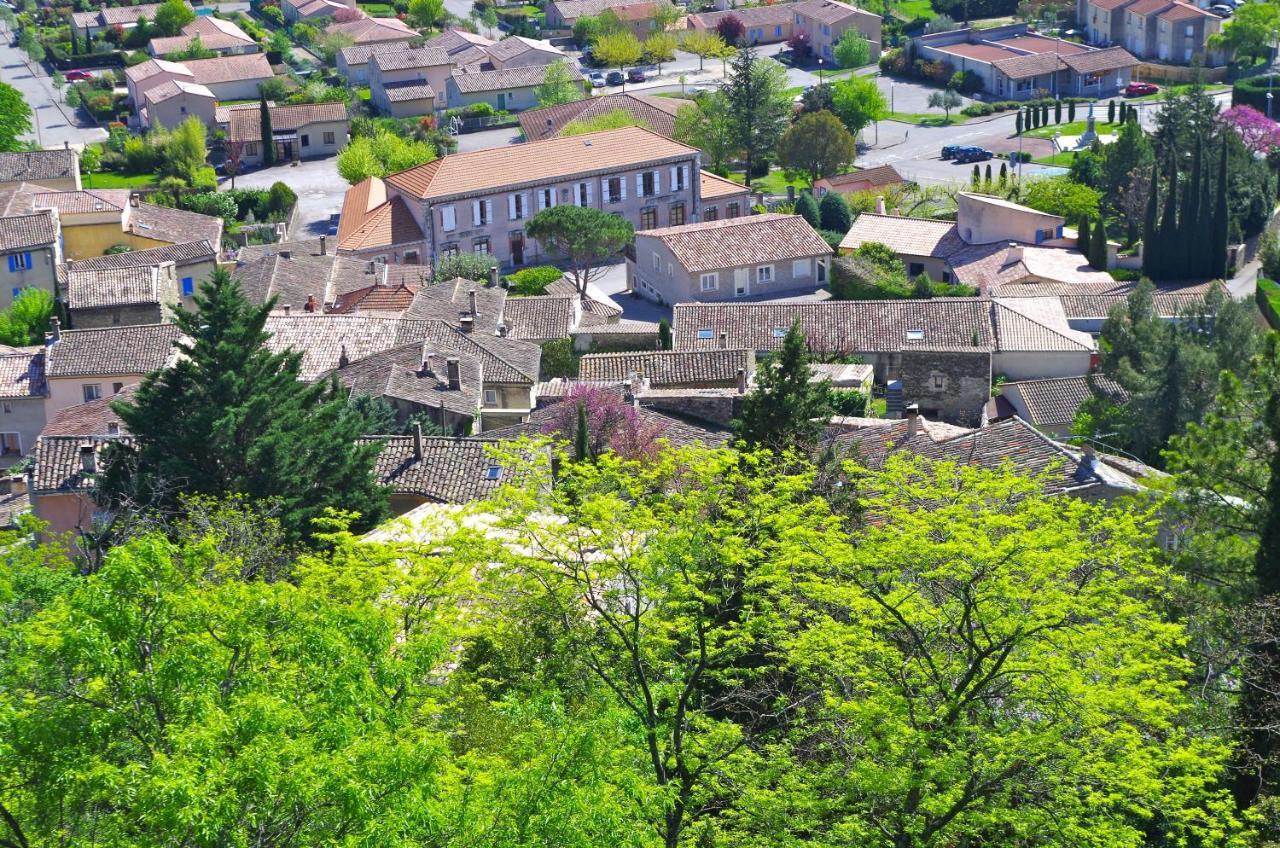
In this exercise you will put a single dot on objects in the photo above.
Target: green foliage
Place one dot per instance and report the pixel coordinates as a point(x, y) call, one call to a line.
point(614, 119)
point(858, 102)
point(267, 136)
point(617, 49)
point(1062, 196)
point(27, 320)
point(758, 106)
point(15, 118)
point(708, 125)
point(384, 153)
point(425, 14)
point(817, 145)
point(558, 86)
point(946, 100)
point(786, 411)
point(664, 334)
point(559, 359)
point(195, 49)
point(1097, 252)
point(469, 266)
point(807, 208)
point(583, 235)
point(835, 213)
point(848, 402)
point(874, 272)
point(232, 417)
point(533, 281)
point(1250, 31)
point(852, 50)
point(171, 17)
point(215, 203)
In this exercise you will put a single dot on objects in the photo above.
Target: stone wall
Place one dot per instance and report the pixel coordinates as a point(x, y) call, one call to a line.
point(951, 386)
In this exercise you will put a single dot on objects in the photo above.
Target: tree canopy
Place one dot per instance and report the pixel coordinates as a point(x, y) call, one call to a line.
point(15, 118)
point(758, 106)
point(558, 86)
point(583, 235)
point(817, 145)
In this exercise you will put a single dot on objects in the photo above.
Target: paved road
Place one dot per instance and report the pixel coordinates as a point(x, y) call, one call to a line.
point(55, 123)
point(319, 188)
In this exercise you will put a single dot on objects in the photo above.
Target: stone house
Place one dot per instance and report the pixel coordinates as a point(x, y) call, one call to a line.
point(299, 131)
point(406, 83)
point(437, 470)
point(227, 77)
point(193, 263)
point(139, 294)
point(88, 365)
point(826, 21)
point(172, 102)
point(1158, 30)
point(1050, 405)
point(22, 399)
point(669, 369)
point(764, 24)
point(722, 198)
point(57, 169)
point(755, 256)
point(563, 14)
point(30, 250)
point(221, 36)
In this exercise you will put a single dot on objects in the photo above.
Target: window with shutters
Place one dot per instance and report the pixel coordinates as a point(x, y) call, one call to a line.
point(517, 207)
point(615, 189)
point(450, 249)
point(482, 212)
point(8, 408)
point(448, 219)
point(648, 184)
point(546, 198)
point(584, 194)
point(19, 261)
point(732, 210)
point(711, 213)
point(677, 214)
point(648, 218)
point(678, 177)
point(657, 262)
point(188, 286)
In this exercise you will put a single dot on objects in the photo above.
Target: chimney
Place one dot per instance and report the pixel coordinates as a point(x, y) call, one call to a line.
point(742, 381)
point(425, 370)
point(88, 458)
point(288, 307)
point(471, 299)
point(324, 250)
point(724, 341)
point(454, 372)
point(493, 276)
point(66, 145)
point(71, 263)
point(18, 485)
point(1014, 254)
point(311, 305)
point(913, 419)
point(369, 269)
point(55, 330)
point(880, 204)
point(417, 441)
point(286, 254)
point(502, 329)
point(467, 323)
point(343, 359)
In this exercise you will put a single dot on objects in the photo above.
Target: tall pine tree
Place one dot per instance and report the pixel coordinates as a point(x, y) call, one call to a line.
point(1218, 227)
point(230, 417)
point(787, 410)
point(1151, 249)
point(268, 138)
point(1098, 247)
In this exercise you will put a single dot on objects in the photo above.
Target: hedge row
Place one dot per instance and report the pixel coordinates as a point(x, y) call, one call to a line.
point(1253, 91)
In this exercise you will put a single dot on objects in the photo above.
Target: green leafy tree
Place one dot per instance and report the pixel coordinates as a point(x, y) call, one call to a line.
point(15, 118)
point(664, 334)
point(171, 17)
point(469, 266)
point(817, 145)
point(852, 50)
point(758, 106)
point(195, 49)
point(787, 410)
point(1251, 31)
point(426, 14)
point(27, 319)
point(91, 161)
point(1061, 196)
point(807, 208)
point(1082, 240)
point(705, 44)
point(558, 86)
point(946, 100)
point(835, 213)
point(231, 417)
point(328, 43)
point(186, 150)
point(384, 153)
point(583, 235)
point(660, 47)
point(708, 125)
point(617, 49)
point(858, 102)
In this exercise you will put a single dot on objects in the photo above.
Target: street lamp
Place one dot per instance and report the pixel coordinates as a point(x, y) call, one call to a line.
point(819, 70)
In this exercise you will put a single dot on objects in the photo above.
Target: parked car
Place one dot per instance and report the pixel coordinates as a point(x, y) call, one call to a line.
point(973, 154)
point(596, 79)
point(635, 75)
point(949, 151)
point(78, 76)
point(1140, 89)
point(615, 78)
point(1221, 10)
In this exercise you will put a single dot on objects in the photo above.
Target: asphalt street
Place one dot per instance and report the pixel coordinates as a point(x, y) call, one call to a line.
point(55, 122)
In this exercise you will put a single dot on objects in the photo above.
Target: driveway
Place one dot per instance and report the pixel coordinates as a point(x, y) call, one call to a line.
point(55, 123)
point(486, 139)
point(319, 188)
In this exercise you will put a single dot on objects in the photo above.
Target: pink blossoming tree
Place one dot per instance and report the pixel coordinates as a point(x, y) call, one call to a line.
point(1258, 132)
point(612, 423)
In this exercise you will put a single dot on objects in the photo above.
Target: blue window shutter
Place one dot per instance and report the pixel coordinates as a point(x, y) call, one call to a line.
point(16, 292)
point(188, 286)
point(13, 262)
point(26, 259)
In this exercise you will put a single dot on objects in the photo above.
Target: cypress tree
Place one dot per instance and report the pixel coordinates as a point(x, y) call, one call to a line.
point(1057, 111)
point(786, 411)
point(976, 180)
point(75, 42)
point(1071, 112)
point(1018, 128)
point(1098, 247)
point(1150, 237)
point(232, 417)
point(268, 141)
point(664, 334)
point(987, 176)
point(834, 213)
point(582, 436)
point(1190, 227)
point(1035, 118)
point(1169, 223)
point(1044, 114)
point(1111, 112)
point(1082, 239)
point(807, 208)
point(1218, 230)
point(1004, 174)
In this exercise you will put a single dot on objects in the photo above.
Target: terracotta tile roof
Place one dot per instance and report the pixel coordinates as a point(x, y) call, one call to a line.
point(292, 279)
point(1109, 5)
point(571, 10)
point(854, 326)
point(1036, 324)
point(714, 188)
point(538, 162)
point(186, 253)
point(152, 67)
point(36, 165)
point(517, 45)
point(56, 466)
point(676, 431)
point(1184, 12)
point(137, 349)
point(111, 15)
point(734, 242)
point(778, 14)
point(1055, 402)
point(1032, 65)
point(175, 88)
point(829, 11)
point(909, 236)
point(22, 374)
point(230, 68)
point(708, 368)
point(91, 289)
point(988, 266)
point(503, 79)
point(448, 470)
point(82, 201)
point(1100, 306)
point(1097, 61)
point(369, 220)
point(621, 327)
point(408, 92)
point(1146, 7)
point(94, 418)
point(410, 58)
point(460, 44)
point(864, 179)
point(26, 231)
point(450, 301)
point(636, 11)
point(214, 33)
point(375, 298)
point(368, 30)
point(541, 318)
point(246, 124)
point(176, 226)
point(655, 113)
point(418, 374)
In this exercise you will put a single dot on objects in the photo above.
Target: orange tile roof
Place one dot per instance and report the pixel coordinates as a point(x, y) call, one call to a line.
point(714, 188)
point(538, 162)
point(369, 220)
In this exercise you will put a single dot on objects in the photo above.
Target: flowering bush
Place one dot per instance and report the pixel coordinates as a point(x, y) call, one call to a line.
point(612, 423)
point(1258, 132)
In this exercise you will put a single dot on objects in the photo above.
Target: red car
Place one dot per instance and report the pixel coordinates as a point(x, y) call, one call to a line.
point(1140, 89)
point(78, 76)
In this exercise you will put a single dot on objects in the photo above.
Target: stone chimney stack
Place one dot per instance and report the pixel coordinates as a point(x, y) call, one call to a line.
point(455, 373)
point(913, 419)
point(467, 323)
point(724, 341)
point(55, 331)
point(1014, 254)
point(880, 204)
point(742, 381)
point(471, 302)
point(286, 254)
point(493, 276)
point(425, 370)
point(311, 305)
point(288, 307)
point(88, 458)
point(343, 359)
point(417, 441)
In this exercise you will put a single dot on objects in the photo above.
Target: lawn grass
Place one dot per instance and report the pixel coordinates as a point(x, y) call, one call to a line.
point(378, 10)
point(110, 179)
point(775, 183)
point(1061, 160)
point(364, 93)
point(1269, 301)
point(1166, 91)
point(915, 8)
point(1073, 128)
point(926, 119)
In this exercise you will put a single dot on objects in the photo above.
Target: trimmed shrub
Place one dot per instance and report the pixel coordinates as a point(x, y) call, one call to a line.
point(848, 402)
point(469, 266)
point(1252, 91)
point(532, 281)
point(977, 110)
point(281, 198)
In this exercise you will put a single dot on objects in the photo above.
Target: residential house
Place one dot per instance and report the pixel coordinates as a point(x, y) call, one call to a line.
point(1016, 64)
point(305, 281)
point(87, 365)
point(765, 24)
point(1157, 30)
point(381, 225)
point(511, 90)
point(22, 397)
point(723, 198)
point(58, 168)
point(655, 113)
point(437, 470)
point(313, 10)
point(93, 221)
point(87, 25)
point(464, 48)
point(30, 250)
point(1051, 405)
point(217, 34)
point(173, 101)
point(480, 201)
point(880, 178)
point(1035, 340)
point(563, 14)
point(193, 263)
point(677, 431)
point(826, 22)
point(992, 242)
point(668, 369)
point(640, 19)
point(138, 294)
point(62, 476)
point(755, 256)
point(410, 82)
point(298, 131)
point(384, 31)
point(227, 77)
point(517, 51)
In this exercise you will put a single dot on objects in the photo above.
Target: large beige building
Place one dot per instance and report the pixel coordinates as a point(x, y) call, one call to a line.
point(1158, 30)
